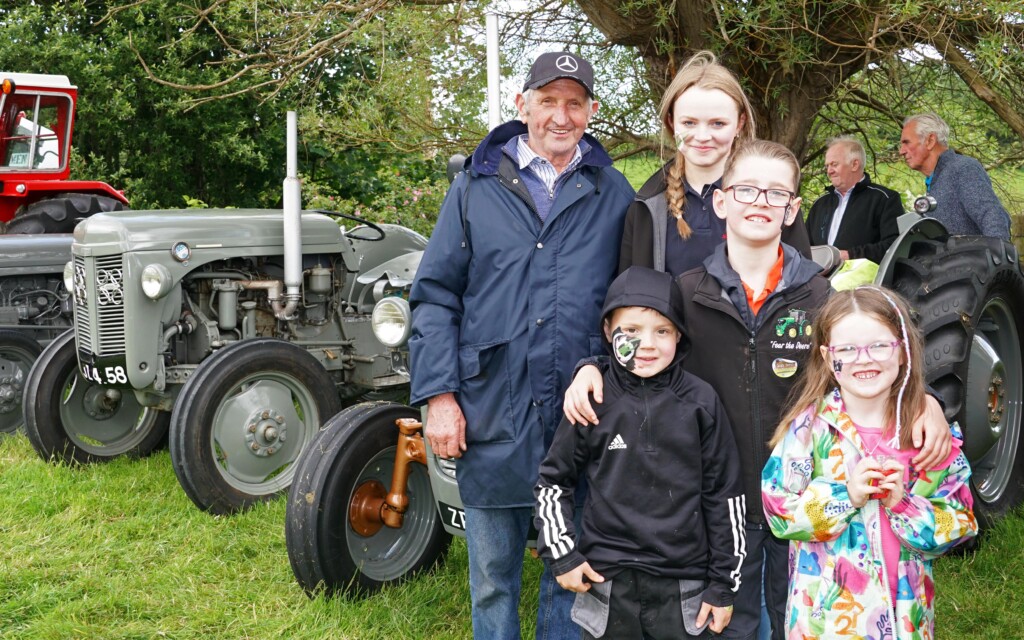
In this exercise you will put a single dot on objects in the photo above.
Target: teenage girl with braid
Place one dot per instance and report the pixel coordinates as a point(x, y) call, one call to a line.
point(672, 226)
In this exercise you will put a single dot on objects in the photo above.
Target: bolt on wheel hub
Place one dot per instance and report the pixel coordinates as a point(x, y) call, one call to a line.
point(100, 403)
point(265, 432)
point(10, 394)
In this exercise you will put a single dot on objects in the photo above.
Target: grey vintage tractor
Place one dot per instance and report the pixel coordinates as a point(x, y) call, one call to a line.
point(35, 308)
point(370, 504)
point(234, 332)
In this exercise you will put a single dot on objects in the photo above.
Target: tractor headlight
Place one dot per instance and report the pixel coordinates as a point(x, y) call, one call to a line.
point(392, 321)
point(69, 277)
point(156, 281)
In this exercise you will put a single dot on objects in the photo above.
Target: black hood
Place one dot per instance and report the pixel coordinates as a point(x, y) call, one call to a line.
point(643, 287)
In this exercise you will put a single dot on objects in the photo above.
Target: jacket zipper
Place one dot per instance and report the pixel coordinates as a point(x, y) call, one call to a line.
point(771, 305)
point(755, 403)
point(648, 438)
point(877, 538)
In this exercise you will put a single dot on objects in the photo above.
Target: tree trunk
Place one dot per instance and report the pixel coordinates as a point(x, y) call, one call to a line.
point(786, 97)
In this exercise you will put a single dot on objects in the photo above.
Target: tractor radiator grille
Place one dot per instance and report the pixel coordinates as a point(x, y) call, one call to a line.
point(99, 304)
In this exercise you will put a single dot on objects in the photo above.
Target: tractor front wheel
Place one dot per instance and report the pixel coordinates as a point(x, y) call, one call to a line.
point(242, 420)
point(60, 213)
point(331, 545)
point(69, 419)
point(968, 293)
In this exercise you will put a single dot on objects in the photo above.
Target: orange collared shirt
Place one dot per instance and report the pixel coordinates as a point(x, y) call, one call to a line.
point(774, 276)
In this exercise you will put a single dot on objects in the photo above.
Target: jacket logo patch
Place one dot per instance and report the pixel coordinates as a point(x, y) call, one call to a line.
point(784, 367)
point(617, 443)
point(794, 325)
point(794, 330)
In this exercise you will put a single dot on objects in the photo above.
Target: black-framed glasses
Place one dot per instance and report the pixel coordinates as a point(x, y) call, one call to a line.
point(747, 194)
point(876, 351)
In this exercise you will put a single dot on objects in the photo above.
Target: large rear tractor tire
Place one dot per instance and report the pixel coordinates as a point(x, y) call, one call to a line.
point(61, 212)
point(968, 294)
point(17, 353)
point(69, 419)
point(243, 418)
point(353, 457)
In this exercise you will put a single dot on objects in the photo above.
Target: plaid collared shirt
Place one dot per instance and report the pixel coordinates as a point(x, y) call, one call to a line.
point(540, 166)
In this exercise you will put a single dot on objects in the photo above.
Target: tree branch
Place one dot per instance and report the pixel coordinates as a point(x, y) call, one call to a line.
point(978, 84)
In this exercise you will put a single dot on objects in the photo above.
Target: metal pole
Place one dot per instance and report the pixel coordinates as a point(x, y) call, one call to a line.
point(493, 71)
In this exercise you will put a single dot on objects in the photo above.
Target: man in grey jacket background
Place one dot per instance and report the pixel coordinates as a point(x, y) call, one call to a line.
point(965, 201)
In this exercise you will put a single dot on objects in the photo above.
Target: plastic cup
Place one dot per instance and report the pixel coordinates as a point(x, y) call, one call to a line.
point(882, 458)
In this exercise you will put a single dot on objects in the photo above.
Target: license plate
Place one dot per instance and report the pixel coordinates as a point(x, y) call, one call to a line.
point(453, 516)
point(108, 371)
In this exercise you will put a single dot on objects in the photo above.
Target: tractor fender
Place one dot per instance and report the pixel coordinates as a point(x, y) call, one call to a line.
point(28, 191)
point(914, 227)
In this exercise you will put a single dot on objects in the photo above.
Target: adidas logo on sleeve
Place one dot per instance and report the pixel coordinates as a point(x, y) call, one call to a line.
point(617, 443)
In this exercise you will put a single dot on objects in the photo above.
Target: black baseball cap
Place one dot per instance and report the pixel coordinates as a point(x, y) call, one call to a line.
point(553, 65)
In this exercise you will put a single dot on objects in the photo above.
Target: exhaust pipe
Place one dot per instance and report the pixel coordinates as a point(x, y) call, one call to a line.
point(292, 225)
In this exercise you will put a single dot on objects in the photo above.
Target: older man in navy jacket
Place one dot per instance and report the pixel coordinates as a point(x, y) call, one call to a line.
point(506, 300)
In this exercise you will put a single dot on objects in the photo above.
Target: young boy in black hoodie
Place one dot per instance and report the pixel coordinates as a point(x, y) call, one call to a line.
point(661, 542)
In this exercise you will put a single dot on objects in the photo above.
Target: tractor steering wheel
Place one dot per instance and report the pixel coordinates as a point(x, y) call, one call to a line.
point(358, 220)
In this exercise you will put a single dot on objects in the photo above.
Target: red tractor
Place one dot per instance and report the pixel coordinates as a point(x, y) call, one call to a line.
point(37, 114)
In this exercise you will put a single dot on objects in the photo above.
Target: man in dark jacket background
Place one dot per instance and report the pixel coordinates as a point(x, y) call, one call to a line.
point(855, 215)
point(507, 298)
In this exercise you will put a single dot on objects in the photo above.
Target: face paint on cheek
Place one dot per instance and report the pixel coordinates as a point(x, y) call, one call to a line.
point(624, 348)
point(681, 138)
point(837, 367)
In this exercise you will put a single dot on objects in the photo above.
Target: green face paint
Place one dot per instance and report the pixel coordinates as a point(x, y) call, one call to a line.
point(624, 348)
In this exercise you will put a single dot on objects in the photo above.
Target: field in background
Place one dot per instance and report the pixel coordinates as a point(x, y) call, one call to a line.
point(117, 551)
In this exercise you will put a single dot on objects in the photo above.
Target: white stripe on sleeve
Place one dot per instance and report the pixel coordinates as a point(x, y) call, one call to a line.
point(554, 530)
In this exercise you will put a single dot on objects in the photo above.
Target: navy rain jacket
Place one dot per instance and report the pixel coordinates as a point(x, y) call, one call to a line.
point(505, 305)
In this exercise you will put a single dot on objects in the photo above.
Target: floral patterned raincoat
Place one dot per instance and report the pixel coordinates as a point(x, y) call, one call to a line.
point(839, 586)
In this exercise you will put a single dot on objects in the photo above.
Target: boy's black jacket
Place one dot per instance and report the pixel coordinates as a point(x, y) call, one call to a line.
point(662, 468)
point(754, 362)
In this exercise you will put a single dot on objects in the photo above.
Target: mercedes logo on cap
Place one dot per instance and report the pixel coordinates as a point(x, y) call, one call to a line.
point(567, 63)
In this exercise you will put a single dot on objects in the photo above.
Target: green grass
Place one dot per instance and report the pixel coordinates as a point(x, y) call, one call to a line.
point(980, 595)
point(638, 168)
point(117, 551)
